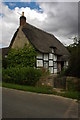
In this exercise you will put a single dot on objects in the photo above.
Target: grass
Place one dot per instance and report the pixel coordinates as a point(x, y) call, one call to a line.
point(71, 94)
point(0, 84)
point(28, 88)
point(43, 90)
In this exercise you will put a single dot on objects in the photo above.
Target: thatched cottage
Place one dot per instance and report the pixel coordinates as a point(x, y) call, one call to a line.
point(52, 54)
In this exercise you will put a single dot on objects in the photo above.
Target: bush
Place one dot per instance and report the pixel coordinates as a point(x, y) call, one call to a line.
point(24, 75)
point(74, 61)
point(45, 72)
point(25, 57)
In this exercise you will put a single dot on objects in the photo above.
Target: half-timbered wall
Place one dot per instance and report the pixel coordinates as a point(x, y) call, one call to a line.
point(48, 61)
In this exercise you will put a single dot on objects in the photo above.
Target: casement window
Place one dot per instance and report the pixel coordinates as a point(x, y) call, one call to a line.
point(50, 56)
point(50, 63)
point(65, 64)
point(51, 69)
point(45, 64)
point(40, 56)
point(39, 63)
point(55, 58)
point(52, 50)
point(55, 65)
point(55, 71)
point(45, 56)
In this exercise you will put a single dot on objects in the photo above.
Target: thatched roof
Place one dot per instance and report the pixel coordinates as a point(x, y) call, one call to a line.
point(41, 40)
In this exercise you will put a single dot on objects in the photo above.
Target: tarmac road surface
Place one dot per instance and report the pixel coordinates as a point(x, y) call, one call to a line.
point(20, 104)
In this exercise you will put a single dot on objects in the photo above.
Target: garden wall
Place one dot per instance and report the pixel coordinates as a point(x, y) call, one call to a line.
point(67, 83)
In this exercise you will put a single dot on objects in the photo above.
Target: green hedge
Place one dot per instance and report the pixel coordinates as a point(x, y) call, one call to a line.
point(23, 75)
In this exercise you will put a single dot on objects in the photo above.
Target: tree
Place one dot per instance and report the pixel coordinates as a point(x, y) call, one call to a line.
point(74, 62)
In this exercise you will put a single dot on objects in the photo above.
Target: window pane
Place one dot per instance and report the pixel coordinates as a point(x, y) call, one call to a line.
point(50, 56)
point(45, 64)
point(52, 50)
point(55, 64)
point(55, 71)
point(39, 63)
point(55, 58)
point(45, 56)
point(50, 63)
point(40, 55)
point(51, 69)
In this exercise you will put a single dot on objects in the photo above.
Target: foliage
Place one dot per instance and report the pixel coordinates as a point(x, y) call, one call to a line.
point(62, 73)
point(44, 90)
point(21, 57)
point(74, 62)
point(18, 67)
point(21, 75)
point(27, 88)
point(4, 63)
point(71, 86)
point(45, 72)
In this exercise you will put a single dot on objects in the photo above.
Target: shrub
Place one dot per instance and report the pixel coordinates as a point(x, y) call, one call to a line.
point(74, 60)
point(24, 75)
point(4, 63)
point(21, 57)
point(45, 72)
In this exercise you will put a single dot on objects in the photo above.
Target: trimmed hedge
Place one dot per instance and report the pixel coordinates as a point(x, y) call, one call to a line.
point(23, 75)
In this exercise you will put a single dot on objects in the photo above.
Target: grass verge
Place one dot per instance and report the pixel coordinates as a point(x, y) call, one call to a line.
point(43, 90)
point(0, 84)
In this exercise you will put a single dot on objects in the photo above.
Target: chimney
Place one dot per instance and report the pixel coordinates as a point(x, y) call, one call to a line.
point(22, 19)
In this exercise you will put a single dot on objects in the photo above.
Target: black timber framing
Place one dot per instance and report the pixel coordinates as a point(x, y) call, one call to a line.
point(47, 61)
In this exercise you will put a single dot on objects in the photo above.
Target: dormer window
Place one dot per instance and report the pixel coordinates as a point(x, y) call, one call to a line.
point(52, 50)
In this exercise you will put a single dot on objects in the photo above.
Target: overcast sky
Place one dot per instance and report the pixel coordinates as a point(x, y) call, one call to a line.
point(57, 18)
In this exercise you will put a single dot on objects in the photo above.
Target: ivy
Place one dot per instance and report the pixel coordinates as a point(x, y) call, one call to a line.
point(22, 57)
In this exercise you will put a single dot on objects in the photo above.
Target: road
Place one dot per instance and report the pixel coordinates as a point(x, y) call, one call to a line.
point(20, 104)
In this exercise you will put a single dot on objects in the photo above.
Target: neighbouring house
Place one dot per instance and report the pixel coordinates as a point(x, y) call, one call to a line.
point(52, 54)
